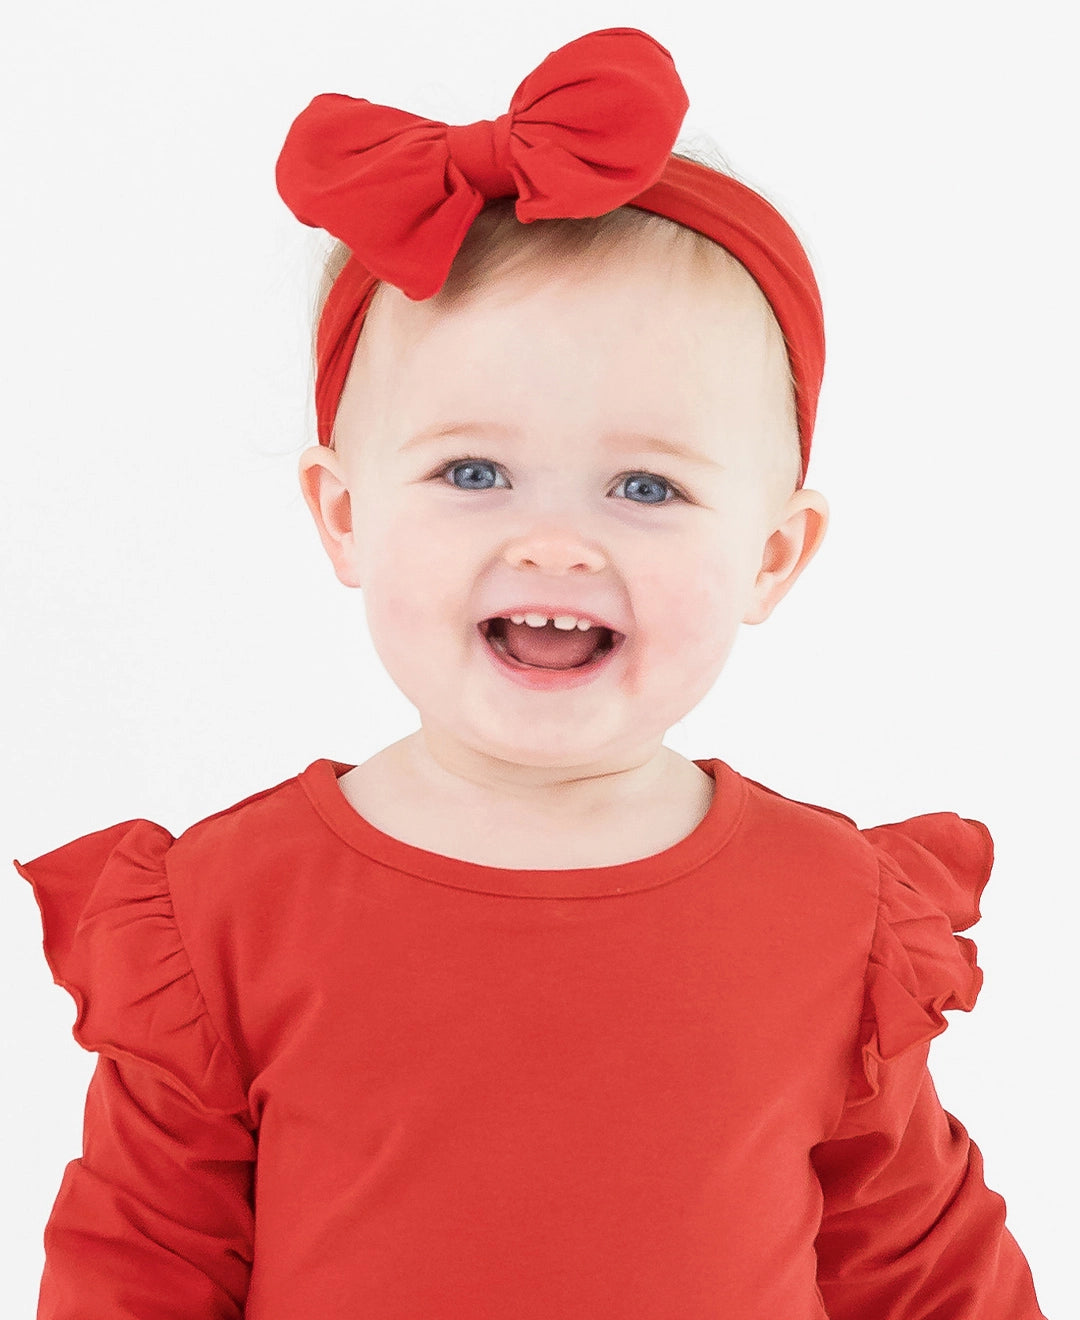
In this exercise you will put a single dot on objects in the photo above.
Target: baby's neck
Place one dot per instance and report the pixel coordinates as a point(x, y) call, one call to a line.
point(532, 797)
point(448, 816)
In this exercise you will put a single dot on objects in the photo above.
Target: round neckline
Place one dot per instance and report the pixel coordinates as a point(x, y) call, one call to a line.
point(319, 782)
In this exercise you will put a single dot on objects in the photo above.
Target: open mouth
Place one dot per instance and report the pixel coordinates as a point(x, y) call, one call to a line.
point(494, 631)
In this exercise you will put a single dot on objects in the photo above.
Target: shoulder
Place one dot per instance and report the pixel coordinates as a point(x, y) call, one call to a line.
point(245, 833)
point(783, 811)
point(234, 871)
point(917, 882)
point(125, 932)
point(944, 855)
point(814, 840)
point(935, 864)
point(88, 888)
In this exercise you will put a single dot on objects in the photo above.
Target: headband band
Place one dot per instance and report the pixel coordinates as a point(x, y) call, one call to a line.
point(589, 130)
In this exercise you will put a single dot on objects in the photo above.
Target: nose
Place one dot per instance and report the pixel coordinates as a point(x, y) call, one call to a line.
point(554, 553)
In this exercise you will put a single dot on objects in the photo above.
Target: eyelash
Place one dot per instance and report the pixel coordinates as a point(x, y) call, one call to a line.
point(654, 476)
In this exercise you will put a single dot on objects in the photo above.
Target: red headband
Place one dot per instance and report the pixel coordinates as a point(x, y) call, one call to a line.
point(589, 130)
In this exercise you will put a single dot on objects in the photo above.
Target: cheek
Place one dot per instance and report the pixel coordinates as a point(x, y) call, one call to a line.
point(707, 609)
point(394, 580)
point(702, 625)
point(411, 574)
point(687, 604)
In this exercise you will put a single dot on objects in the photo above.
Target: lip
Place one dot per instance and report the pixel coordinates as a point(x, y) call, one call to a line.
point(551, 680)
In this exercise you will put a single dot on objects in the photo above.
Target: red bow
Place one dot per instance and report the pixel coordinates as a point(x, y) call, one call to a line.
point(590, 128)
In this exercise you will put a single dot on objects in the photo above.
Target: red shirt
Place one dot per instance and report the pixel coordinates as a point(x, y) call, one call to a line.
point(343, 1076)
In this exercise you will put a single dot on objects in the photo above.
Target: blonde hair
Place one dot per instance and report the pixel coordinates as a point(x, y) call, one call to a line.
point(498, 244)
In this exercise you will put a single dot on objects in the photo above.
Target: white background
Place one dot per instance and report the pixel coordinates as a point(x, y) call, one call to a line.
point(174, 638)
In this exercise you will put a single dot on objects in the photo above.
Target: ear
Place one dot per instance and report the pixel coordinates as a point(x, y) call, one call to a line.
point(787, 551)
point(326, 493)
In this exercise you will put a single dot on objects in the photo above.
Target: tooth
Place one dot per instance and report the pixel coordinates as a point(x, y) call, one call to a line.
point(564, 622)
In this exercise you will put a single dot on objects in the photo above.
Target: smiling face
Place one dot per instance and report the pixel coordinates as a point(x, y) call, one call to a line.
point(551, 388)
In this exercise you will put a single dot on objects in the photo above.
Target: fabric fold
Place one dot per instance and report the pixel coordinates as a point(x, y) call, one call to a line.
point(111, 939)
point(933, 869)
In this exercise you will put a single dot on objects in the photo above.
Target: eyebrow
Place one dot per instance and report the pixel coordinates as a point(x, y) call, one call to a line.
point(638, 441)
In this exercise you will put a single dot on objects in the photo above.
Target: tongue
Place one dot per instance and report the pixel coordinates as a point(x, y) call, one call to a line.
point(550, 647)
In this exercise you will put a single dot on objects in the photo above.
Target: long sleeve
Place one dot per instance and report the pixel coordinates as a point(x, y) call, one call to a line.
point(155, 1220)
point(909, 1228)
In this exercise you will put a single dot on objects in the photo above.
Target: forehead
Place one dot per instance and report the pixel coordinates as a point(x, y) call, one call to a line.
point(655, 338)
point(667, 292)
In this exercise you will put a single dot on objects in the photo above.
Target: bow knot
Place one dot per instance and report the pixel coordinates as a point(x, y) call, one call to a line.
point(481, 151)
point(589, 129)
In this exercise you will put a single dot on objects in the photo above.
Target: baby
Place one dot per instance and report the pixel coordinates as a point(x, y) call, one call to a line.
point(513, 447)
point(528, 1015)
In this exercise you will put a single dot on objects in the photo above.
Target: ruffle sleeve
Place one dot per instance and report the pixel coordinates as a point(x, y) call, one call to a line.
point(909, 1226)
point(156, 1217)
point(932, 872)
point(111, 939)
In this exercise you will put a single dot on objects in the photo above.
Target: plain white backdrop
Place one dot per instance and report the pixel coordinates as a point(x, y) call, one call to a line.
point(174, 638)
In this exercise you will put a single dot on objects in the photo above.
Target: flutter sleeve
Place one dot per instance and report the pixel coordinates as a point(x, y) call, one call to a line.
point(910, 1228)
point(156, 1219)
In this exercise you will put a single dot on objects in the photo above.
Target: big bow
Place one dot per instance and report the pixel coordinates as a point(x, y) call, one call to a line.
point(590, 128)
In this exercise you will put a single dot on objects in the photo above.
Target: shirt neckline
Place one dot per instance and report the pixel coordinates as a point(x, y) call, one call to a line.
point(319, 782)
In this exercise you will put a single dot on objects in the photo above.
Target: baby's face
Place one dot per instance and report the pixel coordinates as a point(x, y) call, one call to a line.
point(562, 500)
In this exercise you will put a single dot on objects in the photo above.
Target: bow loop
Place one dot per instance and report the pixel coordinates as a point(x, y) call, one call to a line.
point(591, 127)
point(594, 124)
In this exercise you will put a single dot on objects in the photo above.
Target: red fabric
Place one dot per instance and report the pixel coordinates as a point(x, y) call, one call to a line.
point(589, 130)
point(343, 1076)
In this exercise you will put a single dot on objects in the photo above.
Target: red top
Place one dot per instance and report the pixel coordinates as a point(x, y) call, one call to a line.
point(342, 1076)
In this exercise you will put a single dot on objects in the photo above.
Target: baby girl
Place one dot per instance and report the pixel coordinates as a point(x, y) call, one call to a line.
point(528, 1015)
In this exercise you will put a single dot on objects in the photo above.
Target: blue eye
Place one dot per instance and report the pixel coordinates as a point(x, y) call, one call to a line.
point(474, 468)
point(471, 466)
